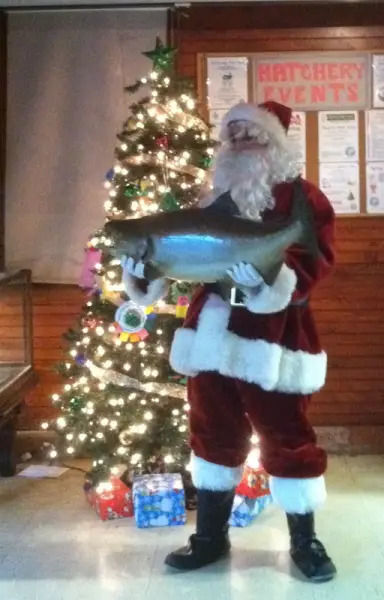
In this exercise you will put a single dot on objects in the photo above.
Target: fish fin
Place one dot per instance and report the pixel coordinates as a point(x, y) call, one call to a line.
point(152, 271)
point(302, 212)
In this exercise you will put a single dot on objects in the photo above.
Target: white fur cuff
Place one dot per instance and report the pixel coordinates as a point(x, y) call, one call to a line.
point(213, 348)
point(157, 289)
point(180, 355)
point(274, 298)
point(216, 478)
point(298, 496)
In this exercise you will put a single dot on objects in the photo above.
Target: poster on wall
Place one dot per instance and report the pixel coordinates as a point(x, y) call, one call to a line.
point(227, 81)
point(338, 136)
point(378, 80)
point(297, 137)
point(340, 182)
point(374, 128)
point(316, 81)
point(375, 188)
point(215, 118)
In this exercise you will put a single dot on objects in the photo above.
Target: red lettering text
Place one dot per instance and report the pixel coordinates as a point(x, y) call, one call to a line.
point(300, 94)
point(318, 93)
point(264, 72)
point(337, 88)
point(352, 92)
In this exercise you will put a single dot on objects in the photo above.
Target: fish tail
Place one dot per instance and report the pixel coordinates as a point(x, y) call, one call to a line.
point(302, 212)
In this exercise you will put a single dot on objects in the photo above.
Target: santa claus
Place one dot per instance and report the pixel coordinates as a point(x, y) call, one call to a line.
point(253, 363)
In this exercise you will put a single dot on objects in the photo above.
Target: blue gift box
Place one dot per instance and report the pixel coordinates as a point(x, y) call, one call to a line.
point(159, 500)
point(245, 510)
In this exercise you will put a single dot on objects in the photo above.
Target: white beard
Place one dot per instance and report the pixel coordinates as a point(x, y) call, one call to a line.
point(251, 175)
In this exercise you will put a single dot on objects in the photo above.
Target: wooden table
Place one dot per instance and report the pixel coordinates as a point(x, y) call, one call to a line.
point(17, 375)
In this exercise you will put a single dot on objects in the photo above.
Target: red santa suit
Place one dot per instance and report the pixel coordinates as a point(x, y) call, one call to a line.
point(257, 365)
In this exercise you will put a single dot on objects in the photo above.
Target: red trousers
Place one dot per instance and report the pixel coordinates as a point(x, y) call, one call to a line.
point(223, 413)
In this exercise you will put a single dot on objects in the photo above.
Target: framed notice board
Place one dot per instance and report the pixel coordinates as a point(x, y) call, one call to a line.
point(337, 129)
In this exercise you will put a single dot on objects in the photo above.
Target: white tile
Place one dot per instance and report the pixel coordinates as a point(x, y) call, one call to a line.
point(52, 545)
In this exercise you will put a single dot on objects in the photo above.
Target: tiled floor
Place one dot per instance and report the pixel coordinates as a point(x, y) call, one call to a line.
point(52, 546)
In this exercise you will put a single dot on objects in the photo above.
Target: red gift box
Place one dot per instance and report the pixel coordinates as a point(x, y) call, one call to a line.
point(111, 500)
point(254, 483)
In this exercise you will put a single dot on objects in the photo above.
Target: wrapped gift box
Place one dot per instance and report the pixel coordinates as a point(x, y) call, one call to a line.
point(245, 510)
point(159, 500)
point(254, 483)
point(111, 500)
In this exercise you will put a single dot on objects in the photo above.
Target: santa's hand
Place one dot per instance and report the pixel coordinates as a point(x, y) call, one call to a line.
point(245, 274)
point(132, 268)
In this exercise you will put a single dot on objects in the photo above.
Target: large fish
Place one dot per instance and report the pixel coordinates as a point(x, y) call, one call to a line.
point(200, 246)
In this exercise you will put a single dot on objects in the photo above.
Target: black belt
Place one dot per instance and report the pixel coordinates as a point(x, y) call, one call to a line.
point(236, 296)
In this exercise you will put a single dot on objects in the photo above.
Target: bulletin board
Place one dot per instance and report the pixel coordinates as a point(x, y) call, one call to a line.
point(337, 128)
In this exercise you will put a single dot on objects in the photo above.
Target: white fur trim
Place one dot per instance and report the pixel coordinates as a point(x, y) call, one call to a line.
point(274, 298)
point(157, 289)
point(213, 348)
point(258, 115)
point(298, 496)
point(217, 478)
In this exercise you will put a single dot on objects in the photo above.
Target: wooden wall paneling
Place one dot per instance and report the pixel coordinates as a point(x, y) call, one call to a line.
point(362, 163)
point(312, 135)
point(285, 16)
point(3, 125)
point(348, 305)
point(55, 309)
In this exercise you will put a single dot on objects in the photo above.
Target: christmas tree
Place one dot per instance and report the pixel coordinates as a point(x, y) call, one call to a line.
point(122, 405)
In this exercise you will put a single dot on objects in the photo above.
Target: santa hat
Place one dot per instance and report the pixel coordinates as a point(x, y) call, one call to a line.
point(271, 117)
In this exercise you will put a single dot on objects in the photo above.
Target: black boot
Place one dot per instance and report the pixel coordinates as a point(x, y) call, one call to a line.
point(211, 540)
point(307, 552)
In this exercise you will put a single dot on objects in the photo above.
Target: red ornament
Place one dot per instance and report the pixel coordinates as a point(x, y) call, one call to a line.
point(91, 322)
point(162, 142)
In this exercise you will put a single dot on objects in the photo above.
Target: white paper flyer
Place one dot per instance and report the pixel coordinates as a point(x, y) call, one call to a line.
point(297, 137)
point(227, 81)
point(375, 188)
point(378, 80)
point(340, 182)
point(338, 136)
point(374, 127)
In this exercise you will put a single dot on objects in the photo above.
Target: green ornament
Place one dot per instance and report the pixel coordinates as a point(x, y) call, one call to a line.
point(131, 191)
point(76, 404)
point(132, 320)
point(162, 56)
point(206, 162)
point(169, 202)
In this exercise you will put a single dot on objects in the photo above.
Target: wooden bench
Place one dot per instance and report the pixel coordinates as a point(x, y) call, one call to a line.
point(17, 375)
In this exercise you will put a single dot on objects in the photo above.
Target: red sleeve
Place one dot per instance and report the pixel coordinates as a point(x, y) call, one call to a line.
point(308, 269)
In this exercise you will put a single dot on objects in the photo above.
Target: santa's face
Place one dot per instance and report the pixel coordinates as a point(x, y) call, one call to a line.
point(243, 136)
point(249, 164)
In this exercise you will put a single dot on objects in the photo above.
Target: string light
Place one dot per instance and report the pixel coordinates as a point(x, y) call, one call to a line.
point(169, 178)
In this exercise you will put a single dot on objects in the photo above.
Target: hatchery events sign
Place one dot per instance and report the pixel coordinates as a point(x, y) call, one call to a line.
point(314, 81)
